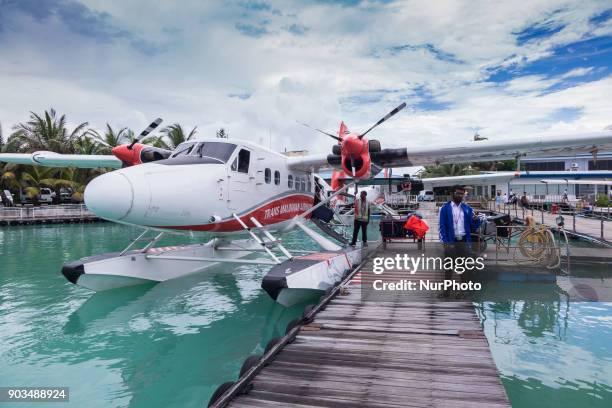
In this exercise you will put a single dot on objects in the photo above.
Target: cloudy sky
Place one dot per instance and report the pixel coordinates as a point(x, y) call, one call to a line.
point(255, 67)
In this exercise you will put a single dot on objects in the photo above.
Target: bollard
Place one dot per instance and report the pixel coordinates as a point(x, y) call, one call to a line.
point(542, 216)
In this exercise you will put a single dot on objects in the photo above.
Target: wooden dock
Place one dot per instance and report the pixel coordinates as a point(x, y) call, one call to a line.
point(425, 352)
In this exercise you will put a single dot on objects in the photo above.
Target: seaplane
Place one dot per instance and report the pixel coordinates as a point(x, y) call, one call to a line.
point(240, 194)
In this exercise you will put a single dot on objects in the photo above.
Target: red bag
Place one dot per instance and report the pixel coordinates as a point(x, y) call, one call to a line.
point(418, 227)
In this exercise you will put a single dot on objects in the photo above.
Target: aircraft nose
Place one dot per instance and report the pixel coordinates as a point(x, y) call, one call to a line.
point(110, 196)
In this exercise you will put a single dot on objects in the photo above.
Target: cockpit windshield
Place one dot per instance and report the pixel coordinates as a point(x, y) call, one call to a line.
point(216, 150)
point(183, 149)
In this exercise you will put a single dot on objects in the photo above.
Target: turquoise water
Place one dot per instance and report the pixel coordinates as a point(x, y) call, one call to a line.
point(164, 345)
point(551, 352)
point(172, 344)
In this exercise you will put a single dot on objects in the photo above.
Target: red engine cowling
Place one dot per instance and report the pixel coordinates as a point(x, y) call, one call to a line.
point(355, 156)
point(129, 157)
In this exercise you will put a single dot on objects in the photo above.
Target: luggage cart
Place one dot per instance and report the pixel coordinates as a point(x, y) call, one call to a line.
point(392, 230)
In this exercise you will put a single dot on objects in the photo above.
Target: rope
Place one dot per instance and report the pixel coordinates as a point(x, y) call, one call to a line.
point(538, 245)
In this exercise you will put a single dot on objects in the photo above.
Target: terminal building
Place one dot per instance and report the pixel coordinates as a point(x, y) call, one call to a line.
point(578, 162)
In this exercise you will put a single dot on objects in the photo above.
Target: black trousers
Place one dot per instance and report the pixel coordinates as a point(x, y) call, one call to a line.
point(457, 249)
point(364, 231)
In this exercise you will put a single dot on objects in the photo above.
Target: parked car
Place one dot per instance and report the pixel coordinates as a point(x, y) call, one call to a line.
point(6, 198)
point(65, 197)
point(46, 196)
point(425, 195)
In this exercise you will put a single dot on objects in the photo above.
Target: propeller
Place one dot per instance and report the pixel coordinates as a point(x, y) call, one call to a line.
point(387, 116)
point(320, 131)
point(145, 132)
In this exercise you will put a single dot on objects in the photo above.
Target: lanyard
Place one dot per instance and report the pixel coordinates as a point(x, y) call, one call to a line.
point(458, 216)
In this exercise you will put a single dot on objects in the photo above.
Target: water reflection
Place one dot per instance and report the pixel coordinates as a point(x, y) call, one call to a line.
point(551, 351)
point(157, 345)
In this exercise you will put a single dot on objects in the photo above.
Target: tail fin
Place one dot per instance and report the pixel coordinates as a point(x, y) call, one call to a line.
point(343, 130)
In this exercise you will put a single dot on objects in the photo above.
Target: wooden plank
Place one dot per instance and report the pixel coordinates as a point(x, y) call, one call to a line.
point(416, 353)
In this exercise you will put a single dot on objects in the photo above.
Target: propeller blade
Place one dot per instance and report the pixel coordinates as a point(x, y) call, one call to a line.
point(393, 112)
point(320, 131)
point(145, 132)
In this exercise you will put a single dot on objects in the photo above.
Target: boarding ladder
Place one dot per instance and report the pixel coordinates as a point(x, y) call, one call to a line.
point(271, 241)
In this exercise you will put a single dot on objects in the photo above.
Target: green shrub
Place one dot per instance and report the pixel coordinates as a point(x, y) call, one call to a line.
point(602, 201)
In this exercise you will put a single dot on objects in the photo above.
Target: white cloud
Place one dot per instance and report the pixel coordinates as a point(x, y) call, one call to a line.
point(342, 68)
point(577, 72)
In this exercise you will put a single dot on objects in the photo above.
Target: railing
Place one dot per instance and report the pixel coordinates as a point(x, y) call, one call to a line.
point(399, 199)
point(45, 212)
point(522, 244)
point(538, 210)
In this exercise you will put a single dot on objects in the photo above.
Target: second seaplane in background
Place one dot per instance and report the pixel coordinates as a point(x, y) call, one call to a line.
point(240, 193)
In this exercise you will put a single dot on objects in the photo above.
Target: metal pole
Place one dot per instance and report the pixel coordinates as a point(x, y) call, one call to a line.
point(542, 215)
point(574, 221)
point(602, 225)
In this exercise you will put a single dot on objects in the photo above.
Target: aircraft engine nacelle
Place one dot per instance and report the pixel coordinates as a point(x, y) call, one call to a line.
point(355, 156)
point(139, 153)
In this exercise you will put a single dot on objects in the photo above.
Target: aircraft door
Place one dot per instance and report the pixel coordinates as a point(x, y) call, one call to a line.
point(240, 179)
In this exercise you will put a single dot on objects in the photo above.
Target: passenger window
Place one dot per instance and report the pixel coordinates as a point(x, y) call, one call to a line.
point(277, 177)
point(297, 183)
point(290, 181)
point(244, 157)
point(309, 185)
point(268, 175)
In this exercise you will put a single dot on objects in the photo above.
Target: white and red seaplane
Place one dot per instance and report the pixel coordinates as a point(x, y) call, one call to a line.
point(239, 193)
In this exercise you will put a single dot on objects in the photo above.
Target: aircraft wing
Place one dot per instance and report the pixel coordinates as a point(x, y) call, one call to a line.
point(471, 151)
point(51, 159)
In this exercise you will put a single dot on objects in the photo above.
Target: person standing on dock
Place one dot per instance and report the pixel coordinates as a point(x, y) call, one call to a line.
point(499, 201)
point(457, 219)
point(362, 218)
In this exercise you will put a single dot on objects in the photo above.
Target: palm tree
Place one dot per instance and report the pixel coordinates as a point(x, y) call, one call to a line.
point(113, 138)
point(88, 145)
point(47, 132)
point(8, 177)
point(506, 165)
point(33, 178)
point(174, 135)
point(446, 170)
point(79, 180)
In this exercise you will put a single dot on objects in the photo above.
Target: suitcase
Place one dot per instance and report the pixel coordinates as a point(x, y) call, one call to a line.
point(393, 227)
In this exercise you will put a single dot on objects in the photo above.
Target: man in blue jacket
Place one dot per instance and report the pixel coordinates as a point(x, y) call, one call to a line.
point(457, 220)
